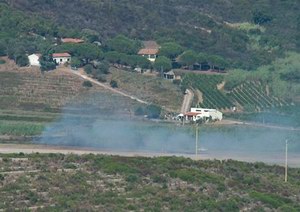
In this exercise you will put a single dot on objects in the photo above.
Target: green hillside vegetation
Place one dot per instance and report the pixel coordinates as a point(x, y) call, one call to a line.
point(46, 182)
point(271, 86)
point(248, 34)
point(282, 78)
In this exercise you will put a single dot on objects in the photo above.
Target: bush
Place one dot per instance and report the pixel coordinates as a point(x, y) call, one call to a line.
point(88, 68)
point(22, 60)
point(153, 111)
point(114, 84)
point(103, 67)
point(139, 111)
point(132, 178)
point(177, 81)
point(272, 200)
point(2, 62)
point(87, 84)
point(101, 78)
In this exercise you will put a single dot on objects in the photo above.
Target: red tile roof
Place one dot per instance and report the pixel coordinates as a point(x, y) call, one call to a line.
point(148, 51)
point(191, 114)
point(150, 44)
point(71, 40)
point(61, 55)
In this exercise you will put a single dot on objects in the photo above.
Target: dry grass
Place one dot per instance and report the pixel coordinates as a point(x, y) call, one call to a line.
point(149, 88)
point(29, 89)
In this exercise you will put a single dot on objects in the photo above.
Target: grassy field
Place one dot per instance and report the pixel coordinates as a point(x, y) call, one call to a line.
point(150, 88)
point(94, 182)
point(29, 99)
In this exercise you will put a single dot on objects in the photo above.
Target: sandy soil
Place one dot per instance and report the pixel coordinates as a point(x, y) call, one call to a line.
point(187, 101)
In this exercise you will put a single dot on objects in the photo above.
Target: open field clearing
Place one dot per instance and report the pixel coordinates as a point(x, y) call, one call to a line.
point(29, 89)
point(47, 182)
point(150, 88)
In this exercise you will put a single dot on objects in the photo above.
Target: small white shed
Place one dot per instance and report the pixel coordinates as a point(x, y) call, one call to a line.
point(34, 59)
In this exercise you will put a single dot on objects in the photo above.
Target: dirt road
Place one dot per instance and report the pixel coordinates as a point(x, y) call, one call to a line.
point(108, 87)
point(293, 161)
point(187, 101)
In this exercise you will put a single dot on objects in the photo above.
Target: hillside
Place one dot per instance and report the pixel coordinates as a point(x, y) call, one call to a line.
point(109, 183)
point(246, 34)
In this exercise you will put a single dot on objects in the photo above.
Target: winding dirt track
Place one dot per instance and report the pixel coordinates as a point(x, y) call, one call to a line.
point(108, 87)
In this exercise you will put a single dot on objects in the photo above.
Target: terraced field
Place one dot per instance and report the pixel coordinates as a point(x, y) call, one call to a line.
point(30, 89)
point(247, 95)
point(207, 84)
point(255, 94)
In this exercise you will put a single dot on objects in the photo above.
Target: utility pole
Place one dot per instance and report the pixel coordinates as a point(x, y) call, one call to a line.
point(197, 138)
point(286, 161)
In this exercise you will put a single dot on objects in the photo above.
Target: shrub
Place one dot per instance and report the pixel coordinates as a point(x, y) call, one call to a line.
point(177, 81)
point(153, 111)
point(22, 60)
point(2, 62)
point(87, 84)
point(273, 200)
point(114, 84)
point(88, 68)
point(132, 178)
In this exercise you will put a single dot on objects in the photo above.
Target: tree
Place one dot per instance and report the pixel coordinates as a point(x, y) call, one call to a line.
point(83, 51)
point(188, 58)
point(87, 84)
point(2, 49)
point(88, 68)
point(163, 63)
point(22, 60)
point(261, 18)
point(218, 61)
point(112, 56)
point(113, 83)
point(103, 67)
point(76, 62)
point(123, 44)
point(202, 57)
point(153, 111)
point(47, 66)
point(90, 35)
point(170, 50)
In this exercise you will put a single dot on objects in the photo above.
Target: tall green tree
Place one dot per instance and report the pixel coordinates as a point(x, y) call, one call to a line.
point(123, 44)
point(163, 63)
point(170, 50)
point(188, 58)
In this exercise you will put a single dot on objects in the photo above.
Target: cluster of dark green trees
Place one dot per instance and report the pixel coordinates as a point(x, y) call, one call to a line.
point(194, 25)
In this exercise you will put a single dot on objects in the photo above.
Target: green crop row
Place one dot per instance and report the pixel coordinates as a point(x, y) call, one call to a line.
point(207, 84)
point(20, 128)
point(255, 94)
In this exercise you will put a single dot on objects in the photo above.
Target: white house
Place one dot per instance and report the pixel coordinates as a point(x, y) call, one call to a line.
point(204, 113)
point(150, 50)
point(61, 58)
point(150, 54)
point(34, 59)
